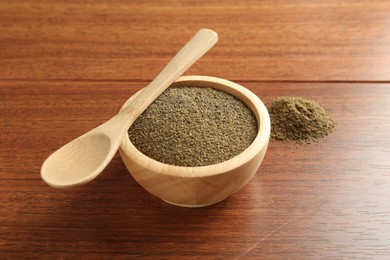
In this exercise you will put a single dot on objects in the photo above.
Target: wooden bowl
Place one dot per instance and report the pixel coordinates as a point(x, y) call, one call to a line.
point(205, 185)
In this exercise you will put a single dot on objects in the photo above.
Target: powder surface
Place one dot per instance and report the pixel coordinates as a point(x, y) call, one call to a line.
point(194, 126)
point(298, 120)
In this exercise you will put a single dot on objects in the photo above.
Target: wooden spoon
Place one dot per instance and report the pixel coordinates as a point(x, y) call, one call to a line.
point(84, 158)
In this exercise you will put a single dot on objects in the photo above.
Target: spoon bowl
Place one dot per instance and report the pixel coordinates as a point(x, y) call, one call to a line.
point(77, 162)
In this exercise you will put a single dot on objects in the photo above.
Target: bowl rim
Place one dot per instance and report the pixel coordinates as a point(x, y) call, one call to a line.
point(260, 142)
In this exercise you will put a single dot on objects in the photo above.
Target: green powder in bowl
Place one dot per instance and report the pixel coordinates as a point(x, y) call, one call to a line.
point(194, 126)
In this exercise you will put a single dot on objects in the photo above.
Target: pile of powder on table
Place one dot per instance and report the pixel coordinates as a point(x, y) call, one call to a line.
point(298, 120)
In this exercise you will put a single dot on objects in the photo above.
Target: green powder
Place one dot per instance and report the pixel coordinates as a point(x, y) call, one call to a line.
point(194, 126)
point(298, 120)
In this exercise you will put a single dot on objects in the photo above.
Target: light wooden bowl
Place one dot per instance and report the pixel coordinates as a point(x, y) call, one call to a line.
point(205, 185)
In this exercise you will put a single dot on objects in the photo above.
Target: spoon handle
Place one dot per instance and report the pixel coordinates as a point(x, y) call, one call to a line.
point(202, 41)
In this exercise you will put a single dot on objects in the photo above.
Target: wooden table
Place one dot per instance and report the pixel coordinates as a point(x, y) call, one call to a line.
point(67, 66)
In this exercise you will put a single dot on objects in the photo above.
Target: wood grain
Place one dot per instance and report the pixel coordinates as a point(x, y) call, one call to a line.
point(67, 66)
point(132, 40)
point(325, 200)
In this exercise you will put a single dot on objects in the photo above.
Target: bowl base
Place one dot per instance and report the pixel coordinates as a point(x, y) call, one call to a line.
point(193, 205)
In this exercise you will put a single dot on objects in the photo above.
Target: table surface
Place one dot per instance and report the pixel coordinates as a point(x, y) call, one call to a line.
point(67, 66)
